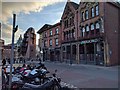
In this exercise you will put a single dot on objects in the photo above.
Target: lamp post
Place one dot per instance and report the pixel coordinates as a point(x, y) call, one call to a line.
point(12, 50)
point(41, 54)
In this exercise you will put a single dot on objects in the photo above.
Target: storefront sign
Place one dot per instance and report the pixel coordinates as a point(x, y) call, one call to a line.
point(89, 41)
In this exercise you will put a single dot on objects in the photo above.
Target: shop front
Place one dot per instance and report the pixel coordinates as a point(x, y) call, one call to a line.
point(91, 52)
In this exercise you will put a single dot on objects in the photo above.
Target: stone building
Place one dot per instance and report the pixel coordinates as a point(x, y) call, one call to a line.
point(28, 47)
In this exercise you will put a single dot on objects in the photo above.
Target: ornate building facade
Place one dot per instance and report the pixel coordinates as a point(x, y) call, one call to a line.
point(88, 34)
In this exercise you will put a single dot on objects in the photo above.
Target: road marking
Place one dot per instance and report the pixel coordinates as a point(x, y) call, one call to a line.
point(63, 84)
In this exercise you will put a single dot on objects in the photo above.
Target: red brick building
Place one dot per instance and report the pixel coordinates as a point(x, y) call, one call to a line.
point(89, 33)
point(50, 41)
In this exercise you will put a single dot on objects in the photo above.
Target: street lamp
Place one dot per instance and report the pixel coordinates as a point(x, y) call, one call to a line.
point(41, 54)
point(12, 50)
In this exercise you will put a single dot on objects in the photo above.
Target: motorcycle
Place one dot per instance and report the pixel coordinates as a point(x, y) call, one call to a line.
point(52, 83)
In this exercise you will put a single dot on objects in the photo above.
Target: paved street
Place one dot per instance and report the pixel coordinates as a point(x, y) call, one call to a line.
point(86, 76)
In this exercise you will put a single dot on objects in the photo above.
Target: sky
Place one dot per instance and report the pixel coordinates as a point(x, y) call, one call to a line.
point(29, 14)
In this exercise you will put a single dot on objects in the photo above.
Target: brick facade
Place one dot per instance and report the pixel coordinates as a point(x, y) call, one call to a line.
point(89, 33)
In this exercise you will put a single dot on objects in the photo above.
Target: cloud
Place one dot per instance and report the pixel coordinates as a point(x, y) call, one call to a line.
point(7, 33)
point(10, 7)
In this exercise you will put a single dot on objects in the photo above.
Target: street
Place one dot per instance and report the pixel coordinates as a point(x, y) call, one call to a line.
point(83, 76)
point(86, 76)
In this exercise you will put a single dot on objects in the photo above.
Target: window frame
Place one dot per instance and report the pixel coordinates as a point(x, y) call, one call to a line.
point(92, 12)
point(97, 10)
point(56, 43)
point(50, 42)
point(86, 14)
point(56, 31)
point(51, 33)
point(92, 27)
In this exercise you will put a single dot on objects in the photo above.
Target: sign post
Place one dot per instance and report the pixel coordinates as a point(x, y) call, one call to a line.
point(12, 50)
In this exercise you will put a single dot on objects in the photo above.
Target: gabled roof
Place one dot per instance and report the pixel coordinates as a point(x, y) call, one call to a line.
point(75, 5)
point(46, 26)
point(68, 4)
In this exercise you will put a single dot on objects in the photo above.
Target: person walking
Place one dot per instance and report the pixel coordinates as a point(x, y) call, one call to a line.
point(3, 62)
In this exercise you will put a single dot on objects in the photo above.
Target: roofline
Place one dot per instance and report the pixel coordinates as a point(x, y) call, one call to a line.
point(49, 27)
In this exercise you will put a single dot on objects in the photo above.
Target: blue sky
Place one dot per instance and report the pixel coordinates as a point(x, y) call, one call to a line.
point(30, 14)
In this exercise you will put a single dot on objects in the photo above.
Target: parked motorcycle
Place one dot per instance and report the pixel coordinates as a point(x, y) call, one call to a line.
point(53, 83)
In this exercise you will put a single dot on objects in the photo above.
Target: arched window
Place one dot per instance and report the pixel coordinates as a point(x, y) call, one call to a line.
point(87, 28)
point(96, 10)
point(97, 25)
point(83, 31)
point(92, 26)
point(86, 14)
point(92, 10)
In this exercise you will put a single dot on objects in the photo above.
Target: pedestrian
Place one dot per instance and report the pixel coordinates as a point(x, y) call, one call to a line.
point(3, 62)
point(9, 60)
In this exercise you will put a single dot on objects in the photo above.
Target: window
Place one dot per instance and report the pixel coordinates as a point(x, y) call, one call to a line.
point(92, 26)
point(50, 42)
point(83, 31)
point(92, 12)
point(83, 18)
point(96, 10)
point(45, 35)
point(97, 25)
point(87, 28)
point(74, 34)
point(45, 43)
point(56, 41)
point(86, 14)
point(50, 32)
point(57, 30)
